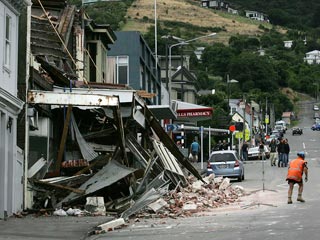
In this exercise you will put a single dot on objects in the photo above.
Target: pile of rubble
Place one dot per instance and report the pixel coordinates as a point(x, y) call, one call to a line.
point(199, 196)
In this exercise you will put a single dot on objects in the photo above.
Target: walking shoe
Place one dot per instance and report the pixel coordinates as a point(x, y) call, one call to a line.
point(300, 199)
point(289, 200)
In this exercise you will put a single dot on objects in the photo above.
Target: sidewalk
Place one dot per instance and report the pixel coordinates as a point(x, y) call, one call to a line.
point(46, 228)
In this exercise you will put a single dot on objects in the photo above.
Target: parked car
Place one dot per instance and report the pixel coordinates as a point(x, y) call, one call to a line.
point(315, 127)
point(253, 153)
point(280, 128)
point(226, 163)
point(269, 139)
point(296, 130)
point(315, 108)
point(282, 123)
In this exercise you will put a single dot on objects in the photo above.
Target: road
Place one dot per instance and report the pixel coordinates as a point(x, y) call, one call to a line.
point(264, 214)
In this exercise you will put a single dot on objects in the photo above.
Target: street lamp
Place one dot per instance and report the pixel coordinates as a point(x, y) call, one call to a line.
point(228, 89)
point(180, 44)
point(169, 37)
point(317, 90)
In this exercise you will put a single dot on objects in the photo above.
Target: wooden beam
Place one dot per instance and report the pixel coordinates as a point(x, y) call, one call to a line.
point(53, 185)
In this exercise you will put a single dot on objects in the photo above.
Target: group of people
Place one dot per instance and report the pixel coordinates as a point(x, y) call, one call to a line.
point(281, 151)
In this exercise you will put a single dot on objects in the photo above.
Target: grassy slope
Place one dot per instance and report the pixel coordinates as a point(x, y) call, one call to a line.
point(188, 11)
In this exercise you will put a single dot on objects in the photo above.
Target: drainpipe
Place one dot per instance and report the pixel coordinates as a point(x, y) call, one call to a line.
point(26, 200)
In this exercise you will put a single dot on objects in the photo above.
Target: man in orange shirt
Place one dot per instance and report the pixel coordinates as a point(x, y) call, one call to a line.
point(296, 169)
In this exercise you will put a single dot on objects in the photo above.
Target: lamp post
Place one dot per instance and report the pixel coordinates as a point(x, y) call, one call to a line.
point(180, 44)
point(317, 90)
point(169, 37)
point(228, 89)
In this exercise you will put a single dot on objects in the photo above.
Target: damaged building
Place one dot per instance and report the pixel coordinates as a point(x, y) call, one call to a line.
point(88, 135)
point(82, 127)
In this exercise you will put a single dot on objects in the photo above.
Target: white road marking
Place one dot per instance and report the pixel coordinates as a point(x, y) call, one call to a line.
point(304, 145)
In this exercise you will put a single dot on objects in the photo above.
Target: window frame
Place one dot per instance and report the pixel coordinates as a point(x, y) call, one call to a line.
point(7, 42)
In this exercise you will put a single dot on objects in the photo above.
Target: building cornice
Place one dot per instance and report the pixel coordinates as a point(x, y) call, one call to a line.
point(11, 102)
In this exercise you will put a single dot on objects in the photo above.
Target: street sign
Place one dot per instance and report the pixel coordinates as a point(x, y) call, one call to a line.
point(266, 119)
point(240, 135)
point(172, 127)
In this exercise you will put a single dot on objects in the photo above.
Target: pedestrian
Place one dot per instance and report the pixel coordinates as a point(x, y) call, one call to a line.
point(261, 150)
point(281, 152)
point(273, 152)
point(194, 150)
point(244, 149)
point(225, 145)
point(218, 146)
point(296, 169)
point(285, 158)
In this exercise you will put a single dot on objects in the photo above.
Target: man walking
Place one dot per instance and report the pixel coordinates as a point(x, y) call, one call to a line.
point(285, 157)
point(194, 150)
point(296, 169)
point(244, 150)
point(273, 152)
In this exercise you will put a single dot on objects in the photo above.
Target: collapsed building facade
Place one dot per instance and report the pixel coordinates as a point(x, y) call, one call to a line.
point(87, 136)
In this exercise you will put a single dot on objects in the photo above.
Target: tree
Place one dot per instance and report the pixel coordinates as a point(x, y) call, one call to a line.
point(254, 71)
point(216, 59)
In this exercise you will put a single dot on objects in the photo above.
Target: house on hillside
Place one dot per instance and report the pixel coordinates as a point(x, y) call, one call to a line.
point(11, 156)
point(312, 57)
point(288, 44)
point(215, 4)
point(256, 15)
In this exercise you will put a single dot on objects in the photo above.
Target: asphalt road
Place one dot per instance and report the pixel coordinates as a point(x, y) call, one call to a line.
point(264, 214)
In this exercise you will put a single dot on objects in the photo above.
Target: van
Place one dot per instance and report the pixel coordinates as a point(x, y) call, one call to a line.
point(282, 123)
point(279, 128)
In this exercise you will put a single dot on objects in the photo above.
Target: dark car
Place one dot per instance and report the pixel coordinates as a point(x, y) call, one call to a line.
point(315, 127)
point(296, 131)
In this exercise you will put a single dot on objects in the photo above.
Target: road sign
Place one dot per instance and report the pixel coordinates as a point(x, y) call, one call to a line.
point(266, 119)
point(172, 127)
point(240, 135)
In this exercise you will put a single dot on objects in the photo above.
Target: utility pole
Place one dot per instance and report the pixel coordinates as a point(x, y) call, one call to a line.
point(244, 120)
point(266, 117)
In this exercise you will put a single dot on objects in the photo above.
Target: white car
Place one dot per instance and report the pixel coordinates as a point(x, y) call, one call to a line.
point(315, 108)
point(254, 154)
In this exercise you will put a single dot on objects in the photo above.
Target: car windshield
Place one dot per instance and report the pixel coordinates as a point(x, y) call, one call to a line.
point(222, 157)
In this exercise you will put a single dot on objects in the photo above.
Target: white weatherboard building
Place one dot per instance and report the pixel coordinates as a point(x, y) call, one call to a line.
point(313, 57)
point(11, 160)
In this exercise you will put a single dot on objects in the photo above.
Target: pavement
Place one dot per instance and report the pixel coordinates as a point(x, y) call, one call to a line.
point(49, 228)
point(54, 227)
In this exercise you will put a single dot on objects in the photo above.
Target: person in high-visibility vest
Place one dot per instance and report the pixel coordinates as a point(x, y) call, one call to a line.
point(296, 169)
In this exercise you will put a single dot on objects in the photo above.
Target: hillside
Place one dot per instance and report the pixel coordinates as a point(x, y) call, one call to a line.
point(141, 15)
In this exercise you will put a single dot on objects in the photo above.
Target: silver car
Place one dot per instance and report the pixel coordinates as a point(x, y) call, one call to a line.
point(226, 163)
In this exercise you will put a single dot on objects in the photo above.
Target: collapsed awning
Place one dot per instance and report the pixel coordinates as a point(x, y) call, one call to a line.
point(162, 112)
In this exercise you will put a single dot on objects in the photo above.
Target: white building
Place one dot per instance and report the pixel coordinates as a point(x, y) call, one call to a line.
point(288, 44)
point(11, 160)
point(312, 57)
